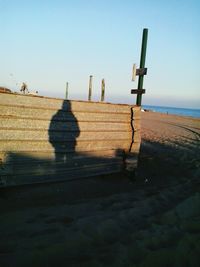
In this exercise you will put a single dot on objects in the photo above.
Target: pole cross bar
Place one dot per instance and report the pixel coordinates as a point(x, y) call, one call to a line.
point(138, 91)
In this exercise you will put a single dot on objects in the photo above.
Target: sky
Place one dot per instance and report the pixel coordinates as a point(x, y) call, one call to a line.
point(48, 43)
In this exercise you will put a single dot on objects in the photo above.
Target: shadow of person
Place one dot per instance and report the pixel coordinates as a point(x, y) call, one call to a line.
point(63, 131)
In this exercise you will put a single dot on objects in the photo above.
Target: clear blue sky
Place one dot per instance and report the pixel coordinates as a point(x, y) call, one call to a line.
point(47, 43)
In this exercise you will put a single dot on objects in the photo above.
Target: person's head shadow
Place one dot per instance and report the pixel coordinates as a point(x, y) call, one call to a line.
point(63, 132)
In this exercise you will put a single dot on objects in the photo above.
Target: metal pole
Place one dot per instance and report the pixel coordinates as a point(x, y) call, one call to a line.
point(90, 88)
point(102, 90)
point(66, 92)
point(142, 64)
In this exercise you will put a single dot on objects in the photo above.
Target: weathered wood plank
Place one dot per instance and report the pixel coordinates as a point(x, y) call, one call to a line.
point(80, 146)
point(48, 114)
point(137, 137)
point(63, 176)
point(49, 167)
point(62, 136)
point(73, 106)
point(135, 148)
point(14, 124)
point(48, 156)
point(137, 126)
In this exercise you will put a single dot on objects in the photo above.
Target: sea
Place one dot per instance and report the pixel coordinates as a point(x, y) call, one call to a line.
point(176, 111)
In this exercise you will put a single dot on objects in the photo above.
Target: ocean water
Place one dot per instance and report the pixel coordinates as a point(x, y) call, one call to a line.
point(176, 111)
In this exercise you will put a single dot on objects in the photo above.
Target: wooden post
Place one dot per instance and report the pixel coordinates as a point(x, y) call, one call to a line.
point(142, 64)
point(90, 88)
point(102, 90)
point(66, 91)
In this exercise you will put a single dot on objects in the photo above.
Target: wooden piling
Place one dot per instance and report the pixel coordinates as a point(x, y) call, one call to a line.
point(90, 88)
point(102, 90)
point(66, 91)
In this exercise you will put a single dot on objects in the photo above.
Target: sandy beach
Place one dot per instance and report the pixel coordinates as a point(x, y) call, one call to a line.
point(152, 219)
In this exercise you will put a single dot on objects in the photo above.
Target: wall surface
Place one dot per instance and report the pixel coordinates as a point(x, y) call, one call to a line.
point(46, 139)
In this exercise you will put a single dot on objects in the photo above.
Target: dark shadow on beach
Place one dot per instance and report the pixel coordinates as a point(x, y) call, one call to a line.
point(36, 218)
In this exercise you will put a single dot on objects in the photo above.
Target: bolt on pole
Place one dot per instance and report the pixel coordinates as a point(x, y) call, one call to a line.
point(142, 64)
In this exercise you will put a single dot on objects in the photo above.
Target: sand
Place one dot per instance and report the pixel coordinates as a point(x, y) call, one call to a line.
point(152, 219)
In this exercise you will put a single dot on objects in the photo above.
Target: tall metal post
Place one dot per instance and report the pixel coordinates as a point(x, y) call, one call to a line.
point(102, 90)
point(90, 88)
point(142, 64)
point(66, 91)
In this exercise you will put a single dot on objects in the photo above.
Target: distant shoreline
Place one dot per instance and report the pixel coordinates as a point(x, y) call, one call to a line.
point(184, 112)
